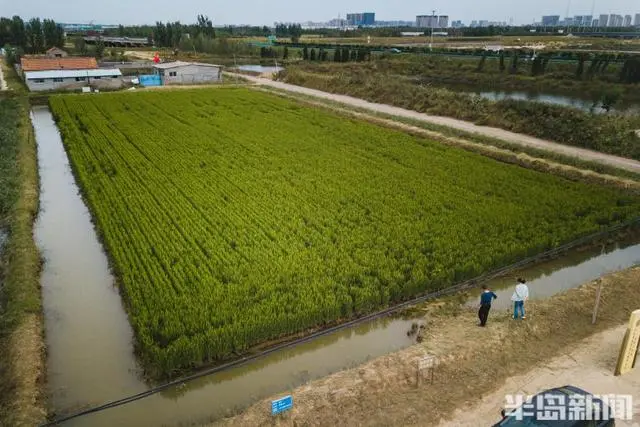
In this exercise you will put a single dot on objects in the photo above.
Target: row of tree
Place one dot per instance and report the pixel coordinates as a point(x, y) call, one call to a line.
point(33, 36)
point(339, 55)
point(630, 71)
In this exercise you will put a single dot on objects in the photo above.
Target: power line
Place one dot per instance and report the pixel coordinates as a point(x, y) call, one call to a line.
point(432, 295)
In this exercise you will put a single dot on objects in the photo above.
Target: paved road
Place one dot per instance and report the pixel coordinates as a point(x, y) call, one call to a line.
point(511, 137)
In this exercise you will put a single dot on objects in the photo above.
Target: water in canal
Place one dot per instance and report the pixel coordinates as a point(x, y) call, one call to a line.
point(565, 101)
point(90, 343)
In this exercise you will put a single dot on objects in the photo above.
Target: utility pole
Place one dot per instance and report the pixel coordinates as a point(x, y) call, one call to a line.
point(433, 18)
point(567, 15)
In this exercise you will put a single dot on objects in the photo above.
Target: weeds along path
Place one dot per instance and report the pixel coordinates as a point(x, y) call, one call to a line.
point(511, 137)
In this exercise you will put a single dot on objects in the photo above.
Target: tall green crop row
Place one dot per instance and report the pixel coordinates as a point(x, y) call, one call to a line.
point(234, 217)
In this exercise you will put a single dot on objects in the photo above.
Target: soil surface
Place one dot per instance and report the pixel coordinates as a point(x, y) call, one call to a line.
point(511, 137)
point(556, 345)
point(589, 366)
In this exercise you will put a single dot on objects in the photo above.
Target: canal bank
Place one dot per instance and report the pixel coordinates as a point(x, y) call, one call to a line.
point(472, 362)
point(21, 337)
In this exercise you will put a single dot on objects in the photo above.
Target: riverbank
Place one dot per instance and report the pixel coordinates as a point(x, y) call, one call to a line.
point(21, 335)
point(384, 391)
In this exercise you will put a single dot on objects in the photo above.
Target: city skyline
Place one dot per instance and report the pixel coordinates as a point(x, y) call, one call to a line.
point(258, 12)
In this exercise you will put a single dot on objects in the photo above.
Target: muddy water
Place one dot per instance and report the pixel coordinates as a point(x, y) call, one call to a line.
point(87, 334)
point(90, 348)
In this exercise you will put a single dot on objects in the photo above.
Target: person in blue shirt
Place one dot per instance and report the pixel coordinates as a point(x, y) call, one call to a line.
point(486, 298)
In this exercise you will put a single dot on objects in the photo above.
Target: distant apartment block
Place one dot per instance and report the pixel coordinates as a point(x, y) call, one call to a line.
point(551, 20)
point(367, 19)
point(603, 21)
point(457, 24)
point(427, 21)
point(627, 21)
point(616, 20)
point(636, 21)
point(443, 21)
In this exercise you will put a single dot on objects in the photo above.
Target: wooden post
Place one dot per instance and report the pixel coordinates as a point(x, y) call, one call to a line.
point(598, 293)
point(595, 309)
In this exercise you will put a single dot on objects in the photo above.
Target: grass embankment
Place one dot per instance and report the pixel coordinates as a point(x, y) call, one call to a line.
point(474, 361)
point(21, 335)
point(608, 133)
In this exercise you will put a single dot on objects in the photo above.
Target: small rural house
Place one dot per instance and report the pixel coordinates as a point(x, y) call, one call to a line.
point(56, 52)
point(73, 79)
point(180, 72)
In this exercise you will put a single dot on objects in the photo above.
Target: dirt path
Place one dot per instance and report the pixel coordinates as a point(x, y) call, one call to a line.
point(477, 366)
point(590, 366)
point(3, 83)
point(514, 138)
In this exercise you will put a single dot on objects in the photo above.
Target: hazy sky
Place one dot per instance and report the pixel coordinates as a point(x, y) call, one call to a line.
point(261, 12)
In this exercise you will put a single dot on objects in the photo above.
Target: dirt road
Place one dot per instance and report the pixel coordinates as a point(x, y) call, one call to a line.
point(511, 137)
point(589, 366)
point(3, 84)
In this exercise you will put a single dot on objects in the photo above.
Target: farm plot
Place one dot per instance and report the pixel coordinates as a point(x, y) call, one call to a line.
point(234, 217)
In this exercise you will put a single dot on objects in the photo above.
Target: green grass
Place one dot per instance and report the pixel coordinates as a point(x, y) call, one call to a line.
point(20, 301)
point(234, 217)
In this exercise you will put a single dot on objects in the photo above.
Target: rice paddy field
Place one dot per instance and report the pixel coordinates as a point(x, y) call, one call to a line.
point(234, 217)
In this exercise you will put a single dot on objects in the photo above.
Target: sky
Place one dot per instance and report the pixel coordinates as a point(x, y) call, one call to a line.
point(266, 12)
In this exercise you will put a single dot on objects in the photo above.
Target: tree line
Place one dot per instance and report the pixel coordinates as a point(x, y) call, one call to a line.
point(33, 36)
point(339, 55)
point(598, 64)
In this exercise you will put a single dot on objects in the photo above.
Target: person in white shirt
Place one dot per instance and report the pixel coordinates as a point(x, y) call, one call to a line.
point(520, 295)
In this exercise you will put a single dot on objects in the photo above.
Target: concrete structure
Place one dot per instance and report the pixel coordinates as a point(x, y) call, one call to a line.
point(56, 52)
point(603, 21)
point(366, 19)
point(627, 21)
point(179, 72)
point(38, 81)
point(550, 20)
point(636, 21)
point(443, 21)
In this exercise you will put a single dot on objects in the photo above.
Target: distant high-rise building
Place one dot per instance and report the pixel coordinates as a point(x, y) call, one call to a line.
point(603, 21)
point(587, 20)
point(550, 20)
point(636, 22)
point(627, 21)
point(457, 24)
point(427, 21)
point(577, 20)
point(474, 24)
point(443, 21)
point(483, 23)
point(366, 19)
point(616, 20)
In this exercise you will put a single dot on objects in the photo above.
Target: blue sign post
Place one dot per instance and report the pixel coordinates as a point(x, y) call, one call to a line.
point(281, 405)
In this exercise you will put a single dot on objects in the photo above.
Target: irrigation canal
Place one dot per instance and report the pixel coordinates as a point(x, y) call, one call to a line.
point(90, 343)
